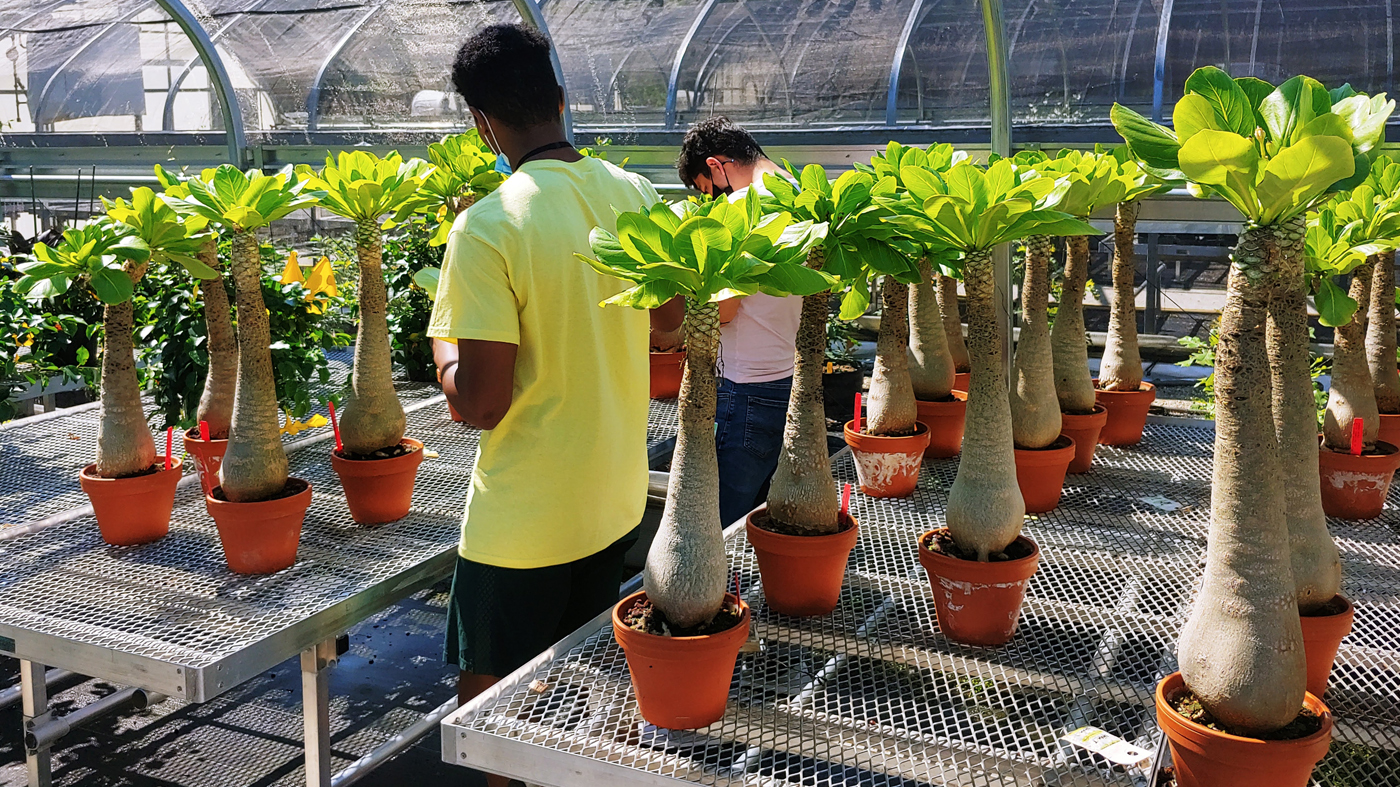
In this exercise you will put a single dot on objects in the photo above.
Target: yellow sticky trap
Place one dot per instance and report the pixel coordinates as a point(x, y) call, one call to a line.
point(292, 272)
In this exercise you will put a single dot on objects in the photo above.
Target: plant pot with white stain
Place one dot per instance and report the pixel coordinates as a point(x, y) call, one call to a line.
point(977, 603)
point(1355, 487)
point(887, 466)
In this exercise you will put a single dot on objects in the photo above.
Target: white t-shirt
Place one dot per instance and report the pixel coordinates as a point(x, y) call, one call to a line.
point(760, 343)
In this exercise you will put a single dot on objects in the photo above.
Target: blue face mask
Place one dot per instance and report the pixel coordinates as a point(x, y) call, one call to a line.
point(502, 165)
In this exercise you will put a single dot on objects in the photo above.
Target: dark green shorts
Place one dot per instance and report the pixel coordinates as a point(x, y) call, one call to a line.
point(501, 618)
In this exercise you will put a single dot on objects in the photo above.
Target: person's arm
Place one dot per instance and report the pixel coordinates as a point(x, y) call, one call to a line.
point(728, 310)
point(667, 317)
point(478, 378)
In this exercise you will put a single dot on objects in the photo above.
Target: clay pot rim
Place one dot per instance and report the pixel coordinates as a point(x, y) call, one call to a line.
point(1349, 611)
point(90, 475)
point(778, 538)
point(416, 445)
point(1310, 701)
point(1384, 450)
point(920, 429)
point(959, 398)
point(1100, 413)
point(661, 356)
point(1049, 451)
point(282, 500)
point(1143, 387)
point(962, 561)
point(192, 436)
point(645, 636)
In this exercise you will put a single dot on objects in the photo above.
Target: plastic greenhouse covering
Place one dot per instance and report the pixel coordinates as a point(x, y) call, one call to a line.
point(634, 66)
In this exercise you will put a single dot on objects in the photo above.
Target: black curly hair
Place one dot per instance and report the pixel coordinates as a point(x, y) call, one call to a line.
point(714, 136)
point(505, 72)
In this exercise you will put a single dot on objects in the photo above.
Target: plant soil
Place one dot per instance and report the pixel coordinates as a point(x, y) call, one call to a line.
point(293, 487)
point(402, 449)
point(646, 618)
point(941, 541)
point(784, 529)
point(1334, 607)
point(152, 470)
point(1304, 724)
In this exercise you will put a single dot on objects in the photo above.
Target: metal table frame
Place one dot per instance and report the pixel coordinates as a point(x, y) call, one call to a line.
point(194, 677)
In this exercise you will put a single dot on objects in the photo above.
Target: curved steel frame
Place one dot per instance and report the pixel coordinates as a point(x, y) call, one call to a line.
point(167, 116)
point(218, 77)
point(37, 107)
point(673, 83)
point(897, 65)
point(1159, 64)
point(531, 14)
point(313, 96)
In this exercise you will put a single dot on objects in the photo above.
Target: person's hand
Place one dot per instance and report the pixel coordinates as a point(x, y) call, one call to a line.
point(666, 341)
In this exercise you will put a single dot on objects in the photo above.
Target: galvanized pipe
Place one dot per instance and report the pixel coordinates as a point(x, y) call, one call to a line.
point(218, 77)
point(999, 82)
point(45, 734)
point(389, 749)
point(52, 679)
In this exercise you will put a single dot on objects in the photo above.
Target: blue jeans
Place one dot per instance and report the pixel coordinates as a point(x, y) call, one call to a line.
point(749, 420)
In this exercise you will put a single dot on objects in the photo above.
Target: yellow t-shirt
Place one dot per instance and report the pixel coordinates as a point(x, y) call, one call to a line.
point(564, 474)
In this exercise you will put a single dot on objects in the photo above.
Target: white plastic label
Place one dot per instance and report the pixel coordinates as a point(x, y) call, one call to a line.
point(1111, 747)
point(1161, 503)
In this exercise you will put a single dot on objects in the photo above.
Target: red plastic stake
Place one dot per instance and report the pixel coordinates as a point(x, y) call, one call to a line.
point(335, 426)
point(857, 418)
point(169, 444)
point(846, 499)
point(737, 593)
point(1358, 441)
point(204, 431)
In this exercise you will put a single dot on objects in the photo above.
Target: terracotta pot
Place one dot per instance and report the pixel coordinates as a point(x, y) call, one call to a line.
point(681, 682)
point(1355, 487)
point(1127, 413)
point(379, 490)
point(666, 372)
point(1322, 635)
point(888, 466)
point(133, 510)
point(961, 381)
point(802, 575)
point(1390, 428)
point(261, 537)
point(1084, 430)
point(453, 414)
point(208, 456)
point(1206, 758)
point(978, 603)
point(1040, 472)
point(945, 425)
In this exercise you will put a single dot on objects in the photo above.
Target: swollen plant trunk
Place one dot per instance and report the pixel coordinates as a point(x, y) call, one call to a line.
point(802, 495)
point(254, 466)
point(1073, 383)
point(1317, 567)
point(952, 322)
point(985, 508)
point(124, 444)
point(930, 363)
point(373, 417)
point(893, 411)
point(1380, 335)
point(1035, 410)
point(1122, 363)
point(1241, 650)
point(216, 403)
point(686, 576)
point(1352, 395)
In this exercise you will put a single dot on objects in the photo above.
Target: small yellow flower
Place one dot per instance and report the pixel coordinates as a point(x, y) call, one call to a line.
point(292, 271)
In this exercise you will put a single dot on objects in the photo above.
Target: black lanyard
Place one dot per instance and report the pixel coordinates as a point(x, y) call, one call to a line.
point(541, 149)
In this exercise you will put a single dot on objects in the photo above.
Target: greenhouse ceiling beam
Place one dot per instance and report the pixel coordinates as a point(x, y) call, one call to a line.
point(892, 97)
point(999, 81)
point(313, 96)
point(1159, 62)
point(218, 77)
point(673, 82)
point(167, 118)
point(531, 14)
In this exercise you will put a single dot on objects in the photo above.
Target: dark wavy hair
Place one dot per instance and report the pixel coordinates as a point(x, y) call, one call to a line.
point(714, 136)
point(505, 72)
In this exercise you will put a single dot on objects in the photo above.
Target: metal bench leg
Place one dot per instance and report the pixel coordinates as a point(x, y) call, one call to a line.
point(316, 662)
point(34, 691)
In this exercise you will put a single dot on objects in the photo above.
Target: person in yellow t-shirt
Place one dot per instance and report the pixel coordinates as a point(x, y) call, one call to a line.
point(558, 384)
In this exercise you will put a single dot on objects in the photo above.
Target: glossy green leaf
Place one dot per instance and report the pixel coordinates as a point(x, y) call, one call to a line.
point(1231, 105)
point(1225, 160)
point(1300, 174)
point(1334, 307)
point(1152, 144)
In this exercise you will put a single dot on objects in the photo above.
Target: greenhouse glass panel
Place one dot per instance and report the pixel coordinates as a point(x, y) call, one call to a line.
point(1335, 41)
point(942, 79)
point(793, 63)
point(617, 57)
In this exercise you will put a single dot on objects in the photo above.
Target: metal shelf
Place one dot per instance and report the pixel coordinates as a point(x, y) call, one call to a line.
point(874, 694)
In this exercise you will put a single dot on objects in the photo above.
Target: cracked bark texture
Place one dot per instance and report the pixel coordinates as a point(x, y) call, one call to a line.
point(931, 366)
point(952, 322)
point(686, 572)
point(216, 401)
point(1073, 383)
point(373, 417)
point(985, 509)
point(1241, 649)
point(893, 411)
point(1352, 394)
point(1380, 335)
point(124, 443)
point(1035, 409)
point(1121, 369)
point(802, 495)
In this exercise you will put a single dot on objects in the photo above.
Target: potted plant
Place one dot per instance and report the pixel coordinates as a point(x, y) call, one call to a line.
point(1272, 153)
point(980, 563)
point(207, 441)
point(1121, 390)
point(377, 460)
point(1380, 347)
point(932, 370)
point(682, 633)
point(132, 489)
point(953, 328)
point(257, 508)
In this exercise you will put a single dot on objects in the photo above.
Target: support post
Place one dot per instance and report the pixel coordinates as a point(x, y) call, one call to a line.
point(34, 696)
point(1153, 302)
point(999, 81)
point(218, 77)
point(316, 662)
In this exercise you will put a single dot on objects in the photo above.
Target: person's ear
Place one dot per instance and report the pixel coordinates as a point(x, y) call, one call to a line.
point(561, 101)
point(717, 172)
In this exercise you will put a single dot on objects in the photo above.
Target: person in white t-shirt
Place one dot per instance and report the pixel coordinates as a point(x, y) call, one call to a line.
point(759, 333)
